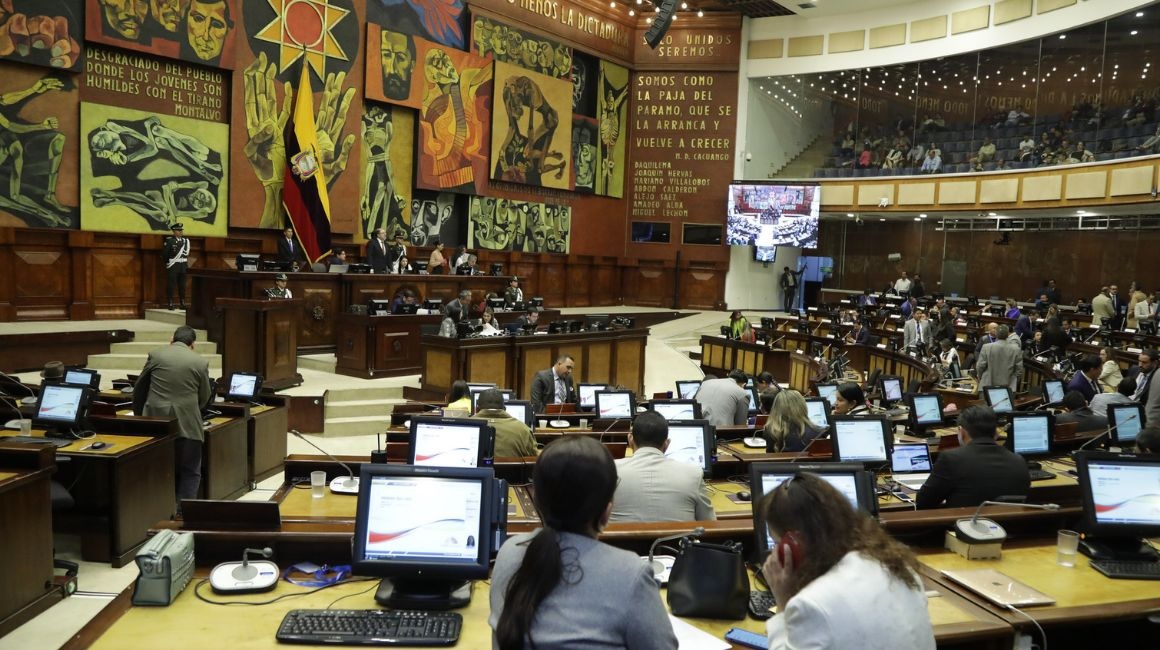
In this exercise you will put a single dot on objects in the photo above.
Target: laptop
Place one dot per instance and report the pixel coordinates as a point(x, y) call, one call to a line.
point(999, 588)
point(910, 465)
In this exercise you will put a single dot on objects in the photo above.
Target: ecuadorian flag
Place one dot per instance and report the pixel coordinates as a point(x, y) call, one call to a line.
point(304, 188)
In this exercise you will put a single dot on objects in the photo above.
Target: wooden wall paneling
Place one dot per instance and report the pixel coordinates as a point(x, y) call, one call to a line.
point(7, 270)
point(353, 335)
point(441, 368)
point(529, 361)
point(629, 364)
point(321, 305)
point(599, 363)
point(702, 286)
point(490, 365)
point(653, 286)
point(80, 278)
point(552, 279)
point(604, 285)
point(115, 281)
point(579, 274)
point(42, 268)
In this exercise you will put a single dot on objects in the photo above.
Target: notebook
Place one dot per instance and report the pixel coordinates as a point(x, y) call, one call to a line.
point(999, 588)
point(910, 465)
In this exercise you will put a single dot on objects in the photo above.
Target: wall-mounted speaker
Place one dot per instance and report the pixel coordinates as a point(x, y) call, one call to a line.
point(660, 24)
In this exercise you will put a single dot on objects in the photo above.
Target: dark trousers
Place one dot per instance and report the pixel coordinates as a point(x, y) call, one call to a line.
point(176, 276)
point(787, 298)
point(187, 457)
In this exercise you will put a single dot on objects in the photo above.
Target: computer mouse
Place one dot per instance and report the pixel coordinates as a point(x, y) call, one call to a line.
point(744, 496)
point(98, 445)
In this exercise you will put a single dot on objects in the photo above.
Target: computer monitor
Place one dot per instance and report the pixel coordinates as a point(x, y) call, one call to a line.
point(275, 265)
point(596, 322)
point(1053, 391)
point(508, 394)
point(891, 389)
point(464, 269)
point(693, 442)
point(850, 479)
point(433, 304)
point(828, 391)
point(677, 409)
point(1125, 421)
point(496, 269)
point(405, 309)
point(451, 442)
point(751, 394)
point(861, 439)
point(1119, 503)
point(536, 301)
point(558, 327)
point(478, 387)
point(818, 410)
point(358, 267)
point(1030, 434)
point(999, 399)
point(520, 410)
point(614, 404)
point(587, 395)
point(925, 411)
point(83, 377)
point(61, 408)
point(379, 306)
point(337, 268)
point(247, 261)
point(427, 531)
point(243, 386)
point(496, 304)
point(687, 388)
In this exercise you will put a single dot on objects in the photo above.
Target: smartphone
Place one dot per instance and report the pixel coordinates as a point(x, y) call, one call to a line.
point(747, 638)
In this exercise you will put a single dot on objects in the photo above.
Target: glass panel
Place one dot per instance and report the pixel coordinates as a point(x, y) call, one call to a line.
point(1071, 84)
point(702, 233)
point(946, 112)
point(1128, 125)
point(886, 114)
point(651, 232)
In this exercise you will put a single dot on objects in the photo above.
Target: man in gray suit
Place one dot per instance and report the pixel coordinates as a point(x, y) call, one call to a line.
point(1103, 312)
point(653, 487)
point(1000, 363)
point(178, 380)
point(723, 400)
point(916, 332)
point(554, 385)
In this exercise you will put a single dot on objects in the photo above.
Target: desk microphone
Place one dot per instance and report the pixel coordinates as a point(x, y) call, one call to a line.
point(28, 401)
point(976, 530)
point(805, 450)
point(245, 577)
point(657, 567)
point(1107, 432)
point(341, 484)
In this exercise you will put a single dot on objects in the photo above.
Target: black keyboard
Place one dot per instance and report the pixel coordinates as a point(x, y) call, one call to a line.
point(1128, 569)
point(370, 627)
point(760, 603)
point(1040, 475)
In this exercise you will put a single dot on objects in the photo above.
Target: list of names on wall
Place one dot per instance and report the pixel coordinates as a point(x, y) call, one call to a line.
point(683, 127)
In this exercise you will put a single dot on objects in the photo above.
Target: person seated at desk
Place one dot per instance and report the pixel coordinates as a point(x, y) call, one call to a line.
point(531, 319)
point(513, 438)
point(764, 381)
point(403, 297)
point(279, 290)
point(841, 581)
point(860, 335)
point(949, 360)
point(724, 400)
point(337, 258)
point(737, 324)
point(1077, 410)
point(447, 328)
point(979, 470)
point(490, 326)
point(402, 265)
point(1086, 375)
point(560, 587)
point(1122, 395)
point(653, 487)
point(1110, 373)
point(908, 307)
point(765, 400)
point(459, 399)
point(789, 428)
point(1013, 312)
point(1148, 440)
point(397, 253)
point(554, 385)
point(867, 300)
point(850, 400)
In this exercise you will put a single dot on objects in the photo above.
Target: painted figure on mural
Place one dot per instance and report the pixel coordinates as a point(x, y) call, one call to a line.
point(448, 118)
point(266, 118)
point(40, 38)
point(124, 18)
point(526, 155)
point(38, 145)
point(126, 142)
point(583, 157)
point(610, 127)
point(163, 207)
point(207, 23)
point(382, 206)
point(398, 59)
point(166, 15)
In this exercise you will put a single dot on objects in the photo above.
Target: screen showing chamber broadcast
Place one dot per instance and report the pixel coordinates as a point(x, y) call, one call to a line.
point(773, 215)
point(423, 518)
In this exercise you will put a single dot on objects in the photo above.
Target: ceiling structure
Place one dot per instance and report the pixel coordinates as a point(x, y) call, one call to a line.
point(803, 8)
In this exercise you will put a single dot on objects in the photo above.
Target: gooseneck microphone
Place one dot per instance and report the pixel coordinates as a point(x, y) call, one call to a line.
point(657, 567)
point(341, 484)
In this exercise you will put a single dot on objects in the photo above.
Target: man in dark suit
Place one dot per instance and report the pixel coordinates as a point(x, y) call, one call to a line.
point(288, 249)
point(178, 380)
point(1086, 375)
point(1079, 412)
point(979, 470)
point(554, 385)
point(377, 255)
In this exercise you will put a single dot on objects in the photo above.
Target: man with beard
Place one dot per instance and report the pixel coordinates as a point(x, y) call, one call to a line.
point(398, 58)
point(123, 18)
point(206, 26)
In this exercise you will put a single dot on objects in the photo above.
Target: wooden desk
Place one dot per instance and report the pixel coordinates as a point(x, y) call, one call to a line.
point(297, 503)
point(266, 431)
point(609, 357)
point(25, 547)
point(719, 355)
point(225, 470)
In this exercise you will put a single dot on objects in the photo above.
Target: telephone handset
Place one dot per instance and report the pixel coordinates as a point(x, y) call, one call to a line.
point(792, 542)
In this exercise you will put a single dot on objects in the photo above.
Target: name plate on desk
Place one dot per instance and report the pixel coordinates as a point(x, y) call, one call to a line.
point(881, 346)
point(1129, 330)
point(1135, 350)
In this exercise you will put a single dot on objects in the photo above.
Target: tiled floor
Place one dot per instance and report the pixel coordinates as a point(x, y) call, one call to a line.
point(666, 359)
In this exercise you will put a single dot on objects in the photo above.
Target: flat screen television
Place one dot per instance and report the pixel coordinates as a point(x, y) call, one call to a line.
point(1125, 421)
point(818, 411)
point(1119, 504)
point(587, 394)
point(687, 388)
point(1030, 434)
point(999, 399)
point(614, 404)
point(765, 254)
point(677, 409)
point(769, 215)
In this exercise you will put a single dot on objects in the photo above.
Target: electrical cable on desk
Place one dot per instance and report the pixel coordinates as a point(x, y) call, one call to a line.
point(340, 598)
point(203, 581)
point(1039, 627)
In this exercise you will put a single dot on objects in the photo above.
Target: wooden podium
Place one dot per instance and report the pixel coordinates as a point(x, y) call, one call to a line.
point(261, 336)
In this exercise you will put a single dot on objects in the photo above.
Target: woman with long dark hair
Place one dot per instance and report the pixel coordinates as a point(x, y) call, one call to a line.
point(850, 400)
point(840, 581)
point(559, 587)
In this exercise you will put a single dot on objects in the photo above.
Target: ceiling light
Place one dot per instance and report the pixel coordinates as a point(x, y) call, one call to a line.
point(685, 6)
point(1135, 31)
point(849, 214)
point(700, 14)
point(922, 215)
point(1139, 14)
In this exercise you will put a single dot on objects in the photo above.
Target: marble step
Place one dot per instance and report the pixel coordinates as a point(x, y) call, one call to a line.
point(145, 347)
point(164, 335)
point(364, 393)
point(135, 362)
point(360, 408)
point(356, 426)
point(176, 317)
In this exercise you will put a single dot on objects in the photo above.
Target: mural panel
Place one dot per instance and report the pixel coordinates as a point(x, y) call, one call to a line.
point(585, 136)
point(442, 21)
point(612, 104)
point(528, 144)
point(507, 225)
point(42, 32)
point(388, 137)
point(454, 119)
point(438, 215)
point(529, 51)
point(199, 31)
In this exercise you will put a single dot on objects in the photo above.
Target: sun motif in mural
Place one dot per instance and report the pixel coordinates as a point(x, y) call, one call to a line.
point(305, 28)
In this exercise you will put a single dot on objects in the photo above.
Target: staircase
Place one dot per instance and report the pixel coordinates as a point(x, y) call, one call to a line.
point(360, 411)
point(131, 357)
point(804, 164)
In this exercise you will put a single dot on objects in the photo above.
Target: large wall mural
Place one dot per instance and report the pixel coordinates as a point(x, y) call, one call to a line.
point(42, 32)
point(198, 31)
point(38, 148)
point(283, 35)
point(531, 135)
point(612, 105)
point(508, 44)
point(388, 147)
point(143, 172)
point(507, 225)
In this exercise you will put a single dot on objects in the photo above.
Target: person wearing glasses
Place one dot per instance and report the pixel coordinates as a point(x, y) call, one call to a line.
point(839, 580)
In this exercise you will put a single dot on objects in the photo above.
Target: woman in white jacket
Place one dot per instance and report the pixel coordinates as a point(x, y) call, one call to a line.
point(840, 581)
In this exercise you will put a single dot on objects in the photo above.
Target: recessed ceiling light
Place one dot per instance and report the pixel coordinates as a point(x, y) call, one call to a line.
point(992, 214)
point(922, 216)
point(849, 214)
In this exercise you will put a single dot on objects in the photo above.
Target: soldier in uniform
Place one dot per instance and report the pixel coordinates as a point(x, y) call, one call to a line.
point(176, 254)
point(279, 290)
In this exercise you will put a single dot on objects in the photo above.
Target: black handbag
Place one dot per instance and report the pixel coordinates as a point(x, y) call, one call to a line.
point(708, 581)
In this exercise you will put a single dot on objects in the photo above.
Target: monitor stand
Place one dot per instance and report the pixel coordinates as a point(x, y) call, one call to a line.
point(423, 594)
point(1124, 548)
point(51, 432)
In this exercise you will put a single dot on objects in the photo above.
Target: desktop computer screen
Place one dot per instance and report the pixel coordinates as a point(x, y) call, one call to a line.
point(1126, 420)
point(891, 389)
point(476, 387)
point(926, 410)
point(677, 409)
point(427, 531)
point(828, 391)
point(1030, 434)
point(860, 439)
point(1053, 391)
point(520, 410)
point(61, 407)
point(451, 442)
point(83, 377)
point(243, 386)
point(752, 394)
point(587, 394)
point(1120, 490)
point(692, 442)
point(614, 404)
point(688, 389)
point(849, 479)
point(507, 395)
point(818, 410)
point(999, 399)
